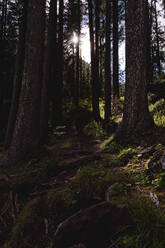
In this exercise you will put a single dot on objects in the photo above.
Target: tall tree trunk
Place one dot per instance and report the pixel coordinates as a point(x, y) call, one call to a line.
point(26, 132)
point(115, 51)
point(136, 116)
point(157, 40)
point(17, 78)
point(3, 48)
point(108, 63)
point(61, 56)
point(58, 77)
point(97, 54)
point(148, 50)
point(95, 98)
point(49, 77)
point(77, 88)
point(53, 67)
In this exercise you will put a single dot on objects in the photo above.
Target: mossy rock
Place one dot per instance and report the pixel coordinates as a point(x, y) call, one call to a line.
point(91, 182)
point(29, 228)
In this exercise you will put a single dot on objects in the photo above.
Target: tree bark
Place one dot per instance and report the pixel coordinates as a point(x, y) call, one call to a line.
point(26, 132)
point(148, 50)
point(49, 77)
point(157, 40)
point(95, 98)
point(108, 63)
point(57, 77)
point(17, 78)
point(115, 51)
point(97, 54)
point(77, 88)
point(136, 116)
point(53, 84)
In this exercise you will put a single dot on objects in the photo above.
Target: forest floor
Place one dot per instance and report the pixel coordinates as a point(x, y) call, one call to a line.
point(78, 169)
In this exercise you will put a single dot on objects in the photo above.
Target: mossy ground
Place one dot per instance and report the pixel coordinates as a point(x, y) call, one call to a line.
point(37, 194)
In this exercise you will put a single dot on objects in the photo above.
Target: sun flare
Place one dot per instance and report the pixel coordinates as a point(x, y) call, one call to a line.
point(75, 38)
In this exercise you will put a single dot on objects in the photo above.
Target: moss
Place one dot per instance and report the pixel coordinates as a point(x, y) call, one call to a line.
point(59, 201)
point(125, 155)
point(147, 228)
point(158, 147)
point(29, 227)
point(29, 230)
point(91, 182)
point(112, 148)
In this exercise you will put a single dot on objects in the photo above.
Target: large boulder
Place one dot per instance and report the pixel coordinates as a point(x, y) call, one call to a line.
point(93, 226)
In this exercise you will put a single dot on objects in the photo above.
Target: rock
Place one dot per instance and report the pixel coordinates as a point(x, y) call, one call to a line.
point(93, 226)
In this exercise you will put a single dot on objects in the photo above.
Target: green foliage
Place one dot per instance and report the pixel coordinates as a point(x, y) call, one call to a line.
point(113, 147)
point(107, 143)
point(147, 229)
point(158, 111)
point(125, 155)
point(95, 130)
point(159, 181)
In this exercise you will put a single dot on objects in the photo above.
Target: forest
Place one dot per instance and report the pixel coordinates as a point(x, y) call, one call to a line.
point(82, 127)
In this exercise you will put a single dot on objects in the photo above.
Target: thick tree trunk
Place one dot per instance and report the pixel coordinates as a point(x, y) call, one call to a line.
point(136, 116)
point(95, 98)
point(115, 51)
point(108, 63)
point(17, 78)
point(26, 132)
point(49, 77)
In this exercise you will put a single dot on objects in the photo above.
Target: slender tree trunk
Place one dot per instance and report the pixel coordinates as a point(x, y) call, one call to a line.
point(97, 54)
point(53, 66)
point(148, 50)
point(58, 67)
point(3, 46)
point(108, 63)
point(115, 51)
point(136, 116)
point(61, 56)
point(2, 19)
point(95, 98)
point(151, 42)
point(77, 88)
point(26, 132)
point(17, 78)
point(157, 40)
